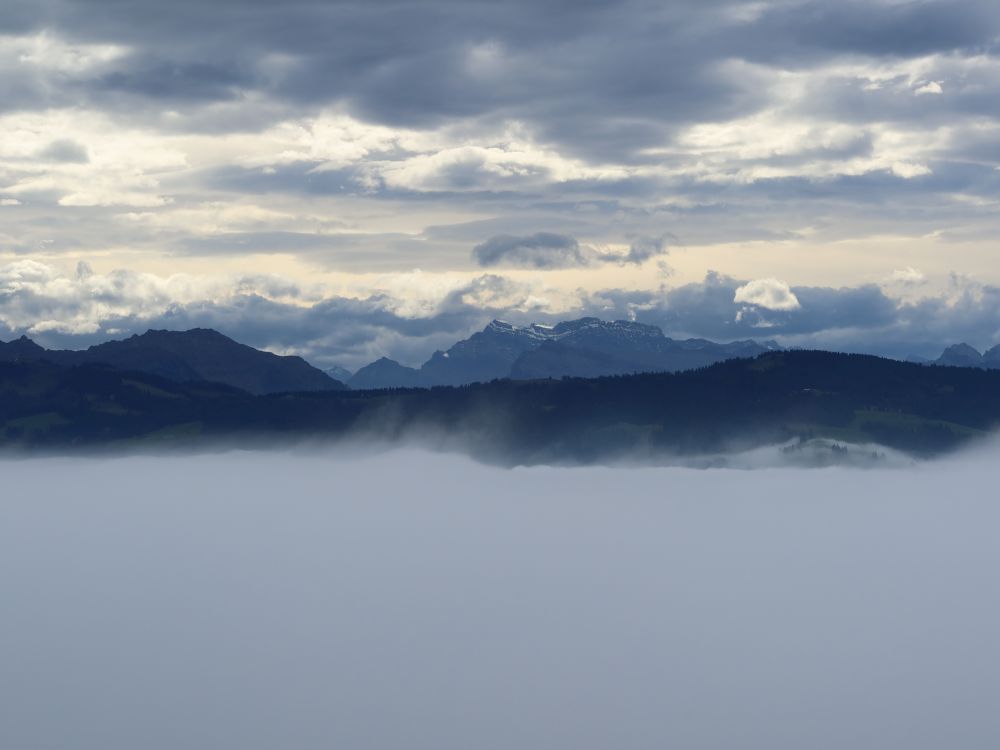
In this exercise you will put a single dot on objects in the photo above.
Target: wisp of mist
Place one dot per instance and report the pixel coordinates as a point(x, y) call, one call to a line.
point(409, 599)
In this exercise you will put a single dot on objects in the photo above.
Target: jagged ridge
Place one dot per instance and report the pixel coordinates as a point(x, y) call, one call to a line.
point(587, 347)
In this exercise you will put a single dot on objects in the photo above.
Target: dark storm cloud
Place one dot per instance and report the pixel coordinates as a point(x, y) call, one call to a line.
point(901, 29)
point(603, 78)
point(180, 81)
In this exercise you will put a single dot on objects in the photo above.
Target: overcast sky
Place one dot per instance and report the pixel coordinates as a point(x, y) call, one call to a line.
point(345, 180)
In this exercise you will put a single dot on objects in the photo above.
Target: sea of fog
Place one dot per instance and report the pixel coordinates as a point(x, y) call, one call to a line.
point(245, 601)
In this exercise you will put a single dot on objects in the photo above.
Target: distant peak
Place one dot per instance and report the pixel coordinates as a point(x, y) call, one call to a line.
point(504, 328)
point(23, 343)
point(963, 348)
point(544, 332)
point(960, 355)
point(500, 325)
point(190, 332)
point(573, 325)
point(627, 327)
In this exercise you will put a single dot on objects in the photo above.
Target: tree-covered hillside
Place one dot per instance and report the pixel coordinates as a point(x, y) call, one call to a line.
point(732, 405)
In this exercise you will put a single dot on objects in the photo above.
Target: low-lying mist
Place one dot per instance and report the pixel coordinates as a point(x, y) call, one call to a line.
point(409, 599)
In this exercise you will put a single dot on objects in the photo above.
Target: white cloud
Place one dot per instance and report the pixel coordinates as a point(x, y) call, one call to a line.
point(515, 163)
point(770, 294)
point(908, 276)
point(780, 143)
point(445, 158)
point(908, 169)
point(124, 167)
point(39, 297)
point(335, 140)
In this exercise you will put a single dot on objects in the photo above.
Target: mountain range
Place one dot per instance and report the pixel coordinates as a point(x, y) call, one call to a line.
point(199, 354)
point(587, 348)
point(584, 348)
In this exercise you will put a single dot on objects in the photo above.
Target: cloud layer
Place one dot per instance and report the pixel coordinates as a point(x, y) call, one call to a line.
point(785, 143)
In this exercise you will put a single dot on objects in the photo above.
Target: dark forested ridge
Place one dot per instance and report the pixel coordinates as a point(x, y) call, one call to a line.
point(732, 405)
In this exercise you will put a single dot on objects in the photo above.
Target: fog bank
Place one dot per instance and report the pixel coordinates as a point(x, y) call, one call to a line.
point(420, 600)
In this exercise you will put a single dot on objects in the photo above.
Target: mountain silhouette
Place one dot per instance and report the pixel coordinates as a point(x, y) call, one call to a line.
point(338, 373)
point(20, 350)
point(387, 373)
point(588, 347)
point(484, 356)
point(963, 355)
point(592, 348)
point(199, 354)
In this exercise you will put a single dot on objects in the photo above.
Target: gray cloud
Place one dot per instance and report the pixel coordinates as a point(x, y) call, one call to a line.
point(540, 250)
point(547, 250)
point(640, 250)
point(177, 81)
point(553, 63)
point(713, 308)
point(65, 150)
point(883, 28)
point(862, 318)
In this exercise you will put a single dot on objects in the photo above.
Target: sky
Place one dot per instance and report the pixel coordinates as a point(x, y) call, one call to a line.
point(265, 600)
point(347, 180)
